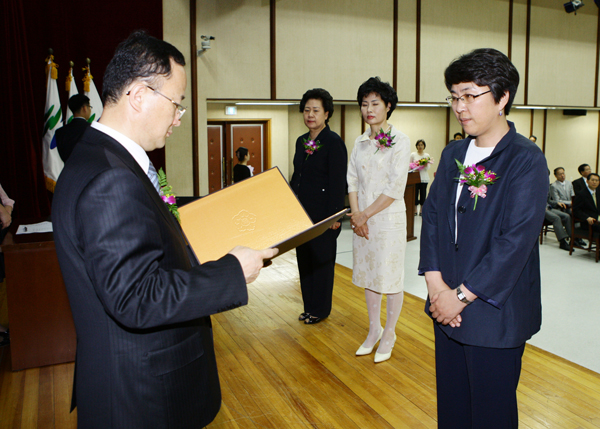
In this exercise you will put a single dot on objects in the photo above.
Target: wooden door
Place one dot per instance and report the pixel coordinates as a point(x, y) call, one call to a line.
point(215, 157)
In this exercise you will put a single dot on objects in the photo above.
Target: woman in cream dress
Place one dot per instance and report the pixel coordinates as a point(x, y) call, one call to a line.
point(376, 180)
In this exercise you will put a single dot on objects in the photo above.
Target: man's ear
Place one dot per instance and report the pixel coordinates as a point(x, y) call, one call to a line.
point(136, 96)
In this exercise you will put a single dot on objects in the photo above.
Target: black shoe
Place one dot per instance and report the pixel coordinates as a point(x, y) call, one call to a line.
point(303, 316)
point(564, 245)
point(579, 242)
point(311, 320)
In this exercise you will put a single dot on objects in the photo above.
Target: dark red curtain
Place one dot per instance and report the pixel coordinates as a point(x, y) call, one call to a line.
point(75, 30)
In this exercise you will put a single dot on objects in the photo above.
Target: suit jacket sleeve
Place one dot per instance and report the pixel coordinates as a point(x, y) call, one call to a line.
point(338, 162)
point(429, 255)
point(125, 250)
point(498, 271)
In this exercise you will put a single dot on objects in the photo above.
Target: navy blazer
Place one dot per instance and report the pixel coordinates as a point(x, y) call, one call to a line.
point(319, 180)
point(496, 254)
point(140, 301)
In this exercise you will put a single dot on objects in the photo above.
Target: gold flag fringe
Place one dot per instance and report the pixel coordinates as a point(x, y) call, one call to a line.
point(50, 64)
point(69, 79)
point(50, 184)
point(86, 79)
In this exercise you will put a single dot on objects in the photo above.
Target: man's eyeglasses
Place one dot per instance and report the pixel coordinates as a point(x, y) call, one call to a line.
point(180, 109)
point(466, 98)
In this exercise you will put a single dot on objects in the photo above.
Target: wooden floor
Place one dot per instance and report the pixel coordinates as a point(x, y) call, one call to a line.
point(277, 372)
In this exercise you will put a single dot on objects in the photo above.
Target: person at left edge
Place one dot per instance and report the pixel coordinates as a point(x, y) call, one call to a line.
point(319, 181)
point(67, 136)
point(140, 300)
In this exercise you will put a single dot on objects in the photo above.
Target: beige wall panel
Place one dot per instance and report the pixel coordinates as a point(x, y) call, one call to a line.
point(562, 59)
point(407, 50)
point(296, 128)
point(519, 44)
point(178, 155)
point(538, 126)
point(279, 128)
point(331, 44)
point(450, 28)
point(571, 141)
point(238, 64)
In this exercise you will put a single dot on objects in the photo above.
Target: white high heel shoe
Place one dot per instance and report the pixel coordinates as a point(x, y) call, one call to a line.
point(362, 351)
point(382, 357)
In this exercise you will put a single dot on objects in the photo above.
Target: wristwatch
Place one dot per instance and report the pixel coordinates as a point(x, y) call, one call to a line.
point(461, 296)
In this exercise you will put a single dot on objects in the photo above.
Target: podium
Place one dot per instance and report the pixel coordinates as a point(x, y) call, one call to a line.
point(42, 331)
point(409, 201)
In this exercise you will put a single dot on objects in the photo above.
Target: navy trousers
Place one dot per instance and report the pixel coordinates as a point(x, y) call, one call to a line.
point(476, 386)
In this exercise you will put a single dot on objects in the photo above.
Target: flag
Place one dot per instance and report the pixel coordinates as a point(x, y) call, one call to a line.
point(52, 121)
point(71, 87)
point(90, 90)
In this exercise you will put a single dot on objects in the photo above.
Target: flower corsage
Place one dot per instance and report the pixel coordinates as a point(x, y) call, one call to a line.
point(477, 178)
point(311, 146)
point(420, 164)
point(384, 140)
point(167, 194)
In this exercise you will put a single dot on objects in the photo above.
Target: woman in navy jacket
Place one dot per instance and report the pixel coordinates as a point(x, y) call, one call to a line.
point(319, 181)
point(480, 256)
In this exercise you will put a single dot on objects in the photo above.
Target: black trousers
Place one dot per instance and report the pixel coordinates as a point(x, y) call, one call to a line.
point(476, 386)
point(316, 265)
point(420, 193)
point(3, 233)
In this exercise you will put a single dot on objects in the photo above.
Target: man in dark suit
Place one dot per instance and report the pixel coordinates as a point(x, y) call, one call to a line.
point(586, 204)
point(140, 300)
point(580, 185)
point(67, 136)
point(480, 251)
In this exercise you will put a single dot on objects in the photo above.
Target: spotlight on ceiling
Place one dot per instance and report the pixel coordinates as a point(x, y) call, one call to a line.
point(573, 5)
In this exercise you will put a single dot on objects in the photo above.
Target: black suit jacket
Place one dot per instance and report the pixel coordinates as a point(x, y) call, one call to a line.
point(140, 301)
point(496, 254)
point(69, 135)
point(584, 207)
point(579, 185)
point(319, 180)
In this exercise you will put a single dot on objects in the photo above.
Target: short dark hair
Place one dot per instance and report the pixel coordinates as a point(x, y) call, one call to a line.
point(383, 89)
point(532, 137)
point(556, 170)
point(318, 94)
point(582, 167)
point(77, 101)
point(485, 67)
point(459, 134)
point(421, 141)
point(241, 153)
point(593, 174)
point(140, 56)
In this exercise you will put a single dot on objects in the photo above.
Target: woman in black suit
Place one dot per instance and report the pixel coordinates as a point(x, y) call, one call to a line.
point(241, 170)
point(319, 181)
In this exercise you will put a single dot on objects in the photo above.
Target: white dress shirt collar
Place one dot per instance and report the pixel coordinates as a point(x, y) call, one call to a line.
point(132, 147)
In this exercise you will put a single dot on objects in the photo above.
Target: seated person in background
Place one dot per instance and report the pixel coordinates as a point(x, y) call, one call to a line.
point(242, 170)
point(585, 205)
point(562, 189)
point(457, 136)
point(580, 184)
point(533, 138)
point(560, 220)
point(67, 136)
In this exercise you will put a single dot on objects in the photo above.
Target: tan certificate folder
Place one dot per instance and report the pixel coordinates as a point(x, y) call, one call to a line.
point(259, 212)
